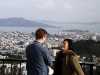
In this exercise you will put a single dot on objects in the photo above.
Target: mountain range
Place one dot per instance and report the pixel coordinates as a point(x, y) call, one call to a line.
point(22, 22)
point(75, 30)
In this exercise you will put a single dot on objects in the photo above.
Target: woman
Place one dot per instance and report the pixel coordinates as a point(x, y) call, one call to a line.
point(66, 61)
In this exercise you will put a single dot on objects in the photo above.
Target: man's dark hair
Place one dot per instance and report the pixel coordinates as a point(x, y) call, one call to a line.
point(40, 33)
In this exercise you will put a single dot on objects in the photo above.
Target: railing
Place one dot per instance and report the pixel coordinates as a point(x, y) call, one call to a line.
point(12, 67)
point(90, 64)
point(15, 66)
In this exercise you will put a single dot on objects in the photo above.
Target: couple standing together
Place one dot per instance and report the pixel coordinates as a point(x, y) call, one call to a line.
point(39, 57)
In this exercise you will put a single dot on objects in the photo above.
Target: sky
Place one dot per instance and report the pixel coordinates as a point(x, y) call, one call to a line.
point(52, 10)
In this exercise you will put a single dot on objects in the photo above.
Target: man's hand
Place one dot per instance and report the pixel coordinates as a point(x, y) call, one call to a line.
point(51, 71)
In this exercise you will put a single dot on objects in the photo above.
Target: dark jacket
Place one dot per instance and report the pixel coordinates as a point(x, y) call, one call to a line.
point(38, 59)
point(67, 64)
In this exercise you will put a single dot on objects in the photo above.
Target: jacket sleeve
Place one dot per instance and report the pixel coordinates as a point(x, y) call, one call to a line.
point(76, 65)
point(47, 57)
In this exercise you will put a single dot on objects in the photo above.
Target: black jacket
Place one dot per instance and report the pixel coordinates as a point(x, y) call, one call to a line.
point(63, 64)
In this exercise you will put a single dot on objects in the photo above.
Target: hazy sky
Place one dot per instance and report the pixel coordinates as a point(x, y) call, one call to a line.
point(53, 10)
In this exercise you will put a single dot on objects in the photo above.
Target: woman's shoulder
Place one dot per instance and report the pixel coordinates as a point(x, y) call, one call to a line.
point(74, 56)
point(59, 53)
point(71, 52)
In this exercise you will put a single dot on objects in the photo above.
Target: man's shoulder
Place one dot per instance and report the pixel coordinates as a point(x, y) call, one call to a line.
point(30, 45)
point(33, 44)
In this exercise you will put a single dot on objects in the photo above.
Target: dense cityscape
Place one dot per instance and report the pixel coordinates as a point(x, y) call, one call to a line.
point(13, 44)
point(17, 41)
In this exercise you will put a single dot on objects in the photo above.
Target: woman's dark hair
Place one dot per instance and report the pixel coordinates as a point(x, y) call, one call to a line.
point(70, 42)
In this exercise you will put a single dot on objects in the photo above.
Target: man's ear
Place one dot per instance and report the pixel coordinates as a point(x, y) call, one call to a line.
point(44, 38)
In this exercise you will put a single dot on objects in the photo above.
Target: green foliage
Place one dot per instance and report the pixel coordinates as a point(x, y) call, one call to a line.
point(87, 47)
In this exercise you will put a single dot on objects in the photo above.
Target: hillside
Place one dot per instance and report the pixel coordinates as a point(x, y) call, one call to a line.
point(21, 22)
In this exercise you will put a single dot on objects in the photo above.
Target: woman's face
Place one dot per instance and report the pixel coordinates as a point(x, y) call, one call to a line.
point(66, 45)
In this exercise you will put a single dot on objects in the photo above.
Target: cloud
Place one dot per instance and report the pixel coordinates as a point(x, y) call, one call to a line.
point(59, 10)
point(67, 5)
point(51, 4)
point(44, 4)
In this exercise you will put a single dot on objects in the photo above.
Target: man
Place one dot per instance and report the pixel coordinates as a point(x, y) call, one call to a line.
point(38, 57)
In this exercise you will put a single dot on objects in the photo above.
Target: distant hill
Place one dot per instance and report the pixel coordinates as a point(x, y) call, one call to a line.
point(21, 22)
point(75, 30)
